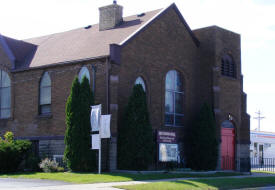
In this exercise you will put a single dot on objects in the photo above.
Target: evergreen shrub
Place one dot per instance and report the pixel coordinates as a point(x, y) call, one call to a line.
point(135, 135)
point(78, 154)
point(202, 142)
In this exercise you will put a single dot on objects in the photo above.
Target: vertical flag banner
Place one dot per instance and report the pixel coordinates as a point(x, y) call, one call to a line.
point(95, 117)
point(95, 142)
point(104, 129)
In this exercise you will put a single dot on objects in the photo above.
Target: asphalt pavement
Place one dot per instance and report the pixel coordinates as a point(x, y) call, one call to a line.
point(13, 183)
point(34, 184)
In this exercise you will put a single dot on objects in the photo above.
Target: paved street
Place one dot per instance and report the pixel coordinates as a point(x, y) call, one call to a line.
point(30, 184)
point(11, 183)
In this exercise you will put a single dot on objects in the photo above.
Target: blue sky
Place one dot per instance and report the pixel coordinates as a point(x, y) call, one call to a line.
point(253, 19)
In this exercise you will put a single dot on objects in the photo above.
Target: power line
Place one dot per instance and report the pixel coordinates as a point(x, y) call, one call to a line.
point(259, 118)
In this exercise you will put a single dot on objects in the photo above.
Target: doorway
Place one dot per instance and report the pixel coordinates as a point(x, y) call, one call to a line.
point(228, 147)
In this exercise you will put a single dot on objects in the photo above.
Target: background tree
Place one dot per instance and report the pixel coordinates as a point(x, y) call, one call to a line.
point(135, 137)
point(77, 154)
point(202, 141)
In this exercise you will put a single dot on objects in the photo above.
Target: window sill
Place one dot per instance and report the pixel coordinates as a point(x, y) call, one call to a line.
point(45, 116)
point(173, 126)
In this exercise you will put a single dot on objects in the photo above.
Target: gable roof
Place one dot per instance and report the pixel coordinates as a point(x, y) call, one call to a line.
point(7, 50)
point(18, 51)
point(85, 43)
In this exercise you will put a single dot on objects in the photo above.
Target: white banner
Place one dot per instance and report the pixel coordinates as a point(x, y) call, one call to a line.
point(95, 141)
point(95, 117)
point(104, 129)
point(168, 152)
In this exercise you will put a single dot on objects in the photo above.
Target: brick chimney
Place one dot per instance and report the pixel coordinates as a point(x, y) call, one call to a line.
point(110, 16)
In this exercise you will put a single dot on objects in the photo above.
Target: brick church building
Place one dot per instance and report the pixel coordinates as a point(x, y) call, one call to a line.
point(179, 69)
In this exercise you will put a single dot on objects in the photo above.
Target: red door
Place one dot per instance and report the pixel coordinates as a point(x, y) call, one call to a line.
point(228, 148)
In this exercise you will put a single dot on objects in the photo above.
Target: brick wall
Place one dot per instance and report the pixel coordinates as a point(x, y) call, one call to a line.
point(152, 56)
point(26, 121)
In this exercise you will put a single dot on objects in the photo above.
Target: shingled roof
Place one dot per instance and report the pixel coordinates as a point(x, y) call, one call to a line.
point(82, 43)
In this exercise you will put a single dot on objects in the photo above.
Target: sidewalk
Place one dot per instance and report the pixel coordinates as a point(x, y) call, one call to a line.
point(109, 186)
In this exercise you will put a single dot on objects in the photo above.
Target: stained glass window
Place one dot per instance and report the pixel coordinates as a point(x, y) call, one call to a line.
point(45, 94)
point(139, 80)
point(5, 95)
point(174, 99)
point(84, 72)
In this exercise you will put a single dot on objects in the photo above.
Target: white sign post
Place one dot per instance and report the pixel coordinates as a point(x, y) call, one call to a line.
point(99, 123)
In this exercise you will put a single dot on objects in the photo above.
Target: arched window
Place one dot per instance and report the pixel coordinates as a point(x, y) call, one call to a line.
point(45, 94)
point(228, 66)
point(5, 95)
point(173, 99)
point(139, 80)
point(84, 72)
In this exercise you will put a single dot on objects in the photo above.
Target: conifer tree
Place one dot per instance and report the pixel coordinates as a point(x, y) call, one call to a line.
point(78, 155)
point(88, 156)
point(202, 141)
point(72, 123)
point(135, 136)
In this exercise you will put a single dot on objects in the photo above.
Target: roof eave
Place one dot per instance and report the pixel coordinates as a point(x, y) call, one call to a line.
point(60, 63)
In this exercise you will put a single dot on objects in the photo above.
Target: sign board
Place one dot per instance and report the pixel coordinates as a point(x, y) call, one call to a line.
point(104, 130)
point(168, 152)
point(95, 142)
point(166, 137)
point(95, 117)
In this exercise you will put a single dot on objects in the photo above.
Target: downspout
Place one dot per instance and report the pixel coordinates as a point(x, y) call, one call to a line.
point(107, 67)
point(94, 78)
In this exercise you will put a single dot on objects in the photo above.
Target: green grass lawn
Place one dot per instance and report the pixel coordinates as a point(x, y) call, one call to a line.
point(220, 183)
point(108, 177)
point(266, 172)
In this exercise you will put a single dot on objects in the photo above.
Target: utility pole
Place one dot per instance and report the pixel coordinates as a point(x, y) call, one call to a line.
point(259, 118)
